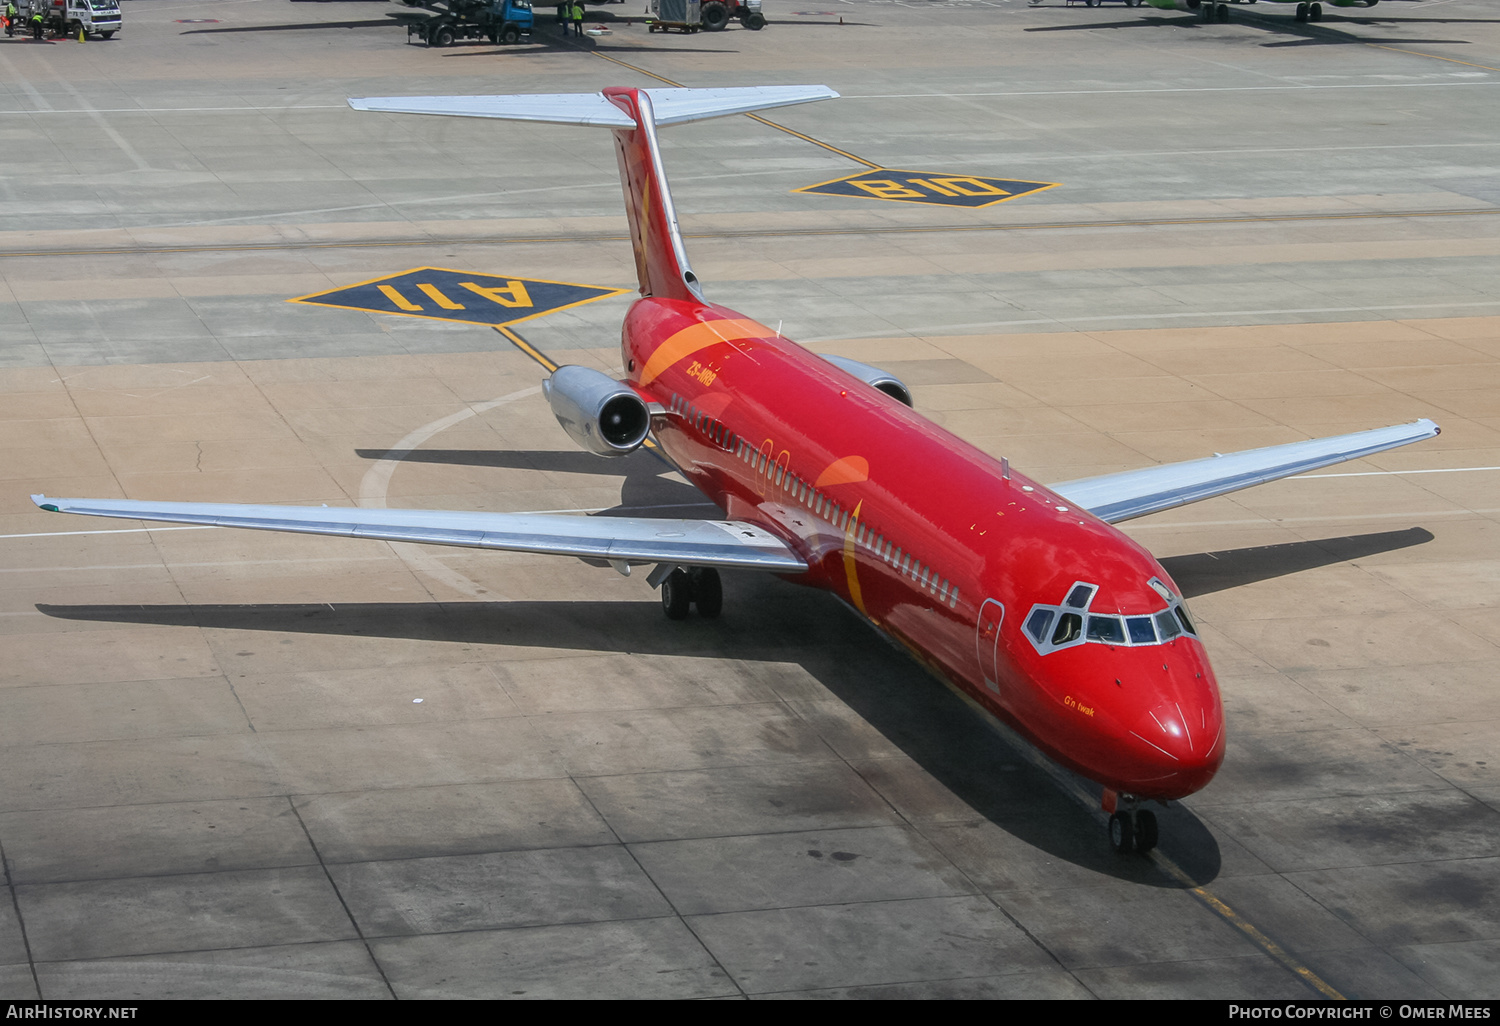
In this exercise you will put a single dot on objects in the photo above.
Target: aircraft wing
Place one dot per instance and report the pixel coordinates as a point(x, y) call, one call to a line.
point(1135, 493)
point(637, 539)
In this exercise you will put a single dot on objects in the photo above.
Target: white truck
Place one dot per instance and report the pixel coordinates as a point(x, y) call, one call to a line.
point(70, 17)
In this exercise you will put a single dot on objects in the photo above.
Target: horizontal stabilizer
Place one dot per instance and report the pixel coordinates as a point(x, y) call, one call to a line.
point(1135, 493)
point(684, 542)
point(671, 106)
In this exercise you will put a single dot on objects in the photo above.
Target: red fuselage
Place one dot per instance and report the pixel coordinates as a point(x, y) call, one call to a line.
point(1048, 617)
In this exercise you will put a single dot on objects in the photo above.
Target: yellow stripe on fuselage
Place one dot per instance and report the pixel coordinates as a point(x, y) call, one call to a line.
point(699, 336)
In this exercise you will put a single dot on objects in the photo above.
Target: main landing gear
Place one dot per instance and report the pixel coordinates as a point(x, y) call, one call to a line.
point(699, 587)
point(1310, 12)
point(1214, 12)
point(1131, 828)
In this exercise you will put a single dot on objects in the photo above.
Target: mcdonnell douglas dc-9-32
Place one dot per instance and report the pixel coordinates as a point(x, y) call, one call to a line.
point(1021, 595)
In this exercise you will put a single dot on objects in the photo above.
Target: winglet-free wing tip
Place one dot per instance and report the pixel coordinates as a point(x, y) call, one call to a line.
point(42, 503)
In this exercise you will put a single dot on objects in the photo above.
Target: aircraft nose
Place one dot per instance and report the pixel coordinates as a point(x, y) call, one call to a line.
point(1187, 735)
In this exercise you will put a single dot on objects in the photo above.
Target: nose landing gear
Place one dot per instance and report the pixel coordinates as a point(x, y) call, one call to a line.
point(1132, 828)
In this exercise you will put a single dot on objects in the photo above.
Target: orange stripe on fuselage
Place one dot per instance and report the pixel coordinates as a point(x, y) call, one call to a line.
point(699, 336)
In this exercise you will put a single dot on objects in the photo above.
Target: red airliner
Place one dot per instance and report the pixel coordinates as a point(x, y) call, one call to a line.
point(1021, 595)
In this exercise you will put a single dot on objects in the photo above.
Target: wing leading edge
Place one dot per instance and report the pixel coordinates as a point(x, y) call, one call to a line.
point(1135, 493)
point(683, 542)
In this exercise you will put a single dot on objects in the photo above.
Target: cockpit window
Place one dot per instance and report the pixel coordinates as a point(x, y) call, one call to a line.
point(1079, 596)
point(1069, 627)
point(1053, 627)
point(1167, 625)
point(1038, 622)
point(1106, 629)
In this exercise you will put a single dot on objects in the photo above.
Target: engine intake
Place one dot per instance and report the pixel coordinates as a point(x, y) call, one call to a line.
point(873, 376)
point(598, 412)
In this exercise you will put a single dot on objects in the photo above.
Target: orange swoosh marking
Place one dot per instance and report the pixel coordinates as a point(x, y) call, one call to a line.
point(847, 470)
point(699, 336)
point(850, 568)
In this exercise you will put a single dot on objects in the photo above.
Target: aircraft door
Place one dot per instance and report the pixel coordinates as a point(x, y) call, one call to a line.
point(987, 642)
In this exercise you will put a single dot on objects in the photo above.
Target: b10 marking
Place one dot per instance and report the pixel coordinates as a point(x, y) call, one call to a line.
point(927, 187)
point(447, 295)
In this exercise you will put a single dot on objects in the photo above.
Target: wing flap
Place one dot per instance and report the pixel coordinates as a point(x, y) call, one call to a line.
point(687, 542)
point(1136, 493)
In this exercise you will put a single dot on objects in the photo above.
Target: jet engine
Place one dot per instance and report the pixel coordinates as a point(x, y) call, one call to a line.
point(597, 412)
point(873, 376)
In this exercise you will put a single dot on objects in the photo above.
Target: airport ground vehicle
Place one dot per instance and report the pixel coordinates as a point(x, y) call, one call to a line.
point(499, 21)
point(69, 17)
point(718, 13)
point(682, 15)
point(710, 15)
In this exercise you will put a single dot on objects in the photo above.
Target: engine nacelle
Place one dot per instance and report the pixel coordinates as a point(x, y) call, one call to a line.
point(873, 376)
point(598, 412)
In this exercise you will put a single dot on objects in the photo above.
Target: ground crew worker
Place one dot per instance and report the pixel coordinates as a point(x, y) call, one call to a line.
point(36, 25)
point(10, 18)
point(577, 12)
point(562, 17)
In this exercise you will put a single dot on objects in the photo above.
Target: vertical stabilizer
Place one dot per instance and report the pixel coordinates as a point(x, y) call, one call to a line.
point(661, 264)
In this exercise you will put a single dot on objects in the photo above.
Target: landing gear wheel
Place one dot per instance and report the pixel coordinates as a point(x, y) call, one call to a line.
point(1314, 12)
point(1145, 830)
point(1223, 12)
point(715, 15)
point(1122, 833)
point(510, 34)
point(708, 592)
point(1301, 12)
point(676, 595)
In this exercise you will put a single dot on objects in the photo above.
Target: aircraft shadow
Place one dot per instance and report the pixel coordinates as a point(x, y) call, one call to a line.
point(1206, 572)
point(303, 26)
point(766, 621)
point(645, 490)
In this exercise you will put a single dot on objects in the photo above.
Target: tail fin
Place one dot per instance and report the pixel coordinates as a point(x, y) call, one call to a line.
point(633, 115)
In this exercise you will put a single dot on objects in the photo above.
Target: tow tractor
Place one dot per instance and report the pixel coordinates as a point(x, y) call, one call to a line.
point(499, 21)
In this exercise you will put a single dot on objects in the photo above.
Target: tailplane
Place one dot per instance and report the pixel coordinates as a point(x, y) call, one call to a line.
point(633, 115)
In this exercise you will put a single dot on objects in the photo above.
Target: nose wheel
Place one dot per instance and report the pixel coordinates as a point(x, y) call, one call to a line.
point(1132, 830)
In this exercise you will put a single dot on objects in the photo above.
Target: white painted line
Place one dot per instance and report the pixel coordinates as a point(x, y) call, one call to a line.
point(1062, 320)
point(1169, 89)
point(128, 530)
point(175, 110)
point(1416, 515)
point(183, 566)
point(377, 482)
point(1380, 473)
